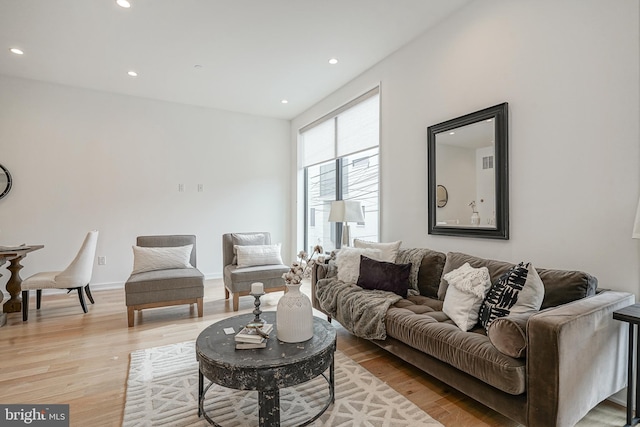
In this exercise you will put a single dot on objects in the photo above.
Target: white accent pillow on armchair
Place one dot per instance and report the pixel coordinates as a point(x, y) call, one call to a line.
point(150, 259)
point(252, 255)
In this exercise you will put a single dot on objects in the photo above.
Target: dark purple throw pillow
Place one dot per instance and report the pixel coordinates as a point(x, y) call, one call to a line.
point(384, 276)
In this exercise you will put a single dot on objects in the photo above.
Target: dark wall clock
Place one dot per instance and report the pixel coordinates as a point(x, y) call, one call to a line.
point(5, 181)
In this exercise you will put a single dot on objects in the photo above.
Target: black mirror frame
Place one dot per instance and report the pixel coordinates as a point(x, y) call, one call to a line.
point(501, 116)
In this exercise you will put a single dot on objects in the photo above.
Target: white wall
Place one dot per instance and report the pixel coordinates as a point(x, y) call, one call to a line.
point(456, 177)
point(85, 160)
point(570, 73)
point(485, 187)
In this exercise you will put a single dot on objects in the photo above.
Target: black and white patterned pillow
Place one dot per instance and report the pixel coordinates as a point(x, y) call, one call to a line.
point(519, 290)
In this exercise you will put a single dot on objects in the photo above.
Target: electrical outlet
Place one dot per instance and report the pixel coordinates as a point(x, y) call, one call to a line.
point(200, 188)
point(102, 260)
point(180, 188)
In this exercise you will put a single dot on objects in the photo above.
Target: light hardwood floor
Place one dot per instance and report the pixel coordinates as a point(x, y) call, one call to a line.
point(61, 355)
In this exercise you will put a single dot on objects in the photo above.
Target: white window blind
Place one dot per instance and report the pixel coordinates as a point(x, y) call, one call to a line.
point(318, 143)
point(357, 130)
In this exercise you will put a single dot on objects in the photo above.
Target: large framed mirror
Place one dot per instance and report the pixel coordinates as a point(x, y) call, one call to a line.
point(468, 156)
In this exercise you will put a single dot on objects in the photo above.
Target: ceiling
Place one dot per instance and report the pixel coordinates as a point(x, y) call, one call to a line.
point(237, 55)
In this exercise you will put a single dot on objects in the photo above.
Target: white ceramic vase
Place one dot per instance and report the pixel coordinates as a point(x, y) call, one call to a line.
point(475, 218)
point(294, 317)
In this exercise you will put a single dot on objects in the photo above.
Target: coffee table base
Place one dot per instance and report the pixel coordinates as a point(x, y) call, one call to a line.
point(268, 402)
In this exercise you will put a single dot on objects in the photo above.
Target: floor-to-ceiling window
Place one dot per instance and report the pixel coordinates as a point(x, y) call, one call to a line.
point(341, 162)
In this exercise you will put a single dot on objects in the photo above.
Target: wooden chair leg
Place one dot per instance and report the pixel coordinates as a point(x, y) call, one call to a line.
point(87, 290)
point(25, 305)
point(236, 301)
point(130, 316)
point(38, 298)
point(81, 298)
point(200, 307)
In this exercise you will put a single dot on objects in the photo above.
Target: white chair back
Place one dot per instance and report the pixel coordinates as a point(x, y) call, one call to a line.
point(78, 273)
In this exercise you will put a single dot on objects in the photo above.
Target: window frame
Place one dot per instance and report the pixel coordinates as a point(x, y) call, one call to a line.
point(339, 162)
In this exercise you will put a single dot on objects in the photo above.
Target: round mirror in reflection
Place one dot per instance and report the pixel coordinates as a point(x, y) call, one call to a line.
point(5, 181)
point(442, 196)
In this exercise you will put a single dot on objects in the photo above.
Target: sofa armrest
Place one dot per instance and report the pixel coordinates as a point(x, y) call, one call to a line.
point(576, 357)
point(318, 272)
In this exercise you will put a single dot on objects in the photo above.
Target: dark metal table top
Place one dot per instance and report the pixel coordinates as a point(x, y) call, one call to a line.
point(278, 365)
point(629, 314)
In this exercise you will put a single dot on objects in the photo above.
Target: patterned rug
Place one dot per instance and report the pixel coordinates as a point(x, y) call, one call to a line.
point(162, 390)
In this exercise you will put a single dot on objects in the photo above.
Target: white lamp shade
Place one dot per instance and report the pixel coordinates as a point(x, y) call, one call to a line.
point(636, 224)
point(346, 211)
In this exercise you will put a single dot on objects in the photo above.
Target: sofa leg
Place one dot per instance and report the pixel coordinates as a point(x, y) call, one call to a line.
point(130, 316)
point(226, 293)
point(328, 318)
point(236, 301)
point(200, 307)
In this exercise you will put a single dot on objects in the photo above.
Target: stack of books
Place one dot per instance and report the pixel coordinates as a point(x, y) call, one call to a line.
point(250, 338)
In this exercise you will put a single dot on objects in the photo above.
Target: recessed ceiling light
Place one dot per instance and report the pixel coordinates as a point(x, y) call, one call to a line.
point(452, 133)
point(284, 101)
point(132, 73)
point(333, 61)
point(123, 3)
point(16, 51)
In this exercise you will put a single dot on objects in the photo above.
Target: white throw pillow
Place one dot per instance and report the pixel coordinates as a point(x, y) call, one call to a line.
point(253, 255)
point(389, 251)
point(150, 259)
point(348, 262)
point(467, 289)
point(248, 239)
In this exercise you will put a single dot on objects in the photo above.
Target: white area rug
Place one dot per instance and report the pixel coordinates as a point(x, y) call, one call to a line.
point(162, 390)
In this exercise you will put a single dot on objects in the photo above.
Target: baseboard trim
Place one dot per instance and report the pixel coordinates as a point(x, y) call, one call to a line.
point(617, 400)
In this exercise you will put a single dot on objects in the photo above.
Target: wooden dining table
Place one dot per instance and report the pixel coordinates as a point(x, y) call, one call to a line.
point(14, 255)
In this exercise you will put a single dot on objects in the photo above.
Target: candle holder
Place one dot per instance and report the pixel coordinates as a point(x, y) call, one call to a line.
point(256, 311)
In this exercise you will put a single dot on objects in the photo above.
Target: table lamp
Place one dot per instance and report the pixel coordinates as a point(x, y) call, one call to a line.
point(346, 211)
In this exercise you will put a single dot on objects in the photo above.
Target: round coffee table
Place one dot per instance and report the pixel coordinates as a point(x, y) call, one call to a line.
point(266, 370)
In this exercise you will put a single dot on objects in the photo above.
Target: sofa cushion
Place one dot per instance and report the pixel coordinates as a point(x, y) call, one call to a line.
point(426, 269)
point(389, 251)
point(563, 286)
point(417, 322)
point(560, 287)
point(509, 334)
point(519, 290)
point(258, 273)
point(384, 276)
point(164, 285)
point(430, 273)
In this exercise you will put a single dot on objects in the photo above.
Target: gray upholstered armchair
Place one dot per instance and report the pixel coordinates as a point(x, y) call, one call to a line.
point(238, 278)
point(161, 278)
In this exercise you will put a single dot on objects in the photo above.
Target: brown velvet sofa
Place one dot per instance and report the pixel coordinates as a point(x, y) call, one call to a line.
point(574, 353)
